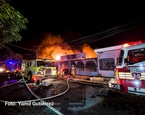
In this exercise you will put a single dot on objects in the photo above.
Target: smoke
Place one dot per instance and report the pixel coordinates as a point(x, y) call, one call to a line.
point(53, 46)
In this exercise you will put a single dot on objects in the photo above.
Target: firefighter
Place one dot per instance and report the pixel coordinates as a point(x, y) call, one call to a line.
point(73, 71)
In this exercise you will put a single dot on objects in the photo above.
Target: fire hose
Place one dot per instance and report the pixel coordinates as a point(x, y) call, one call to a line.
point(38, 98)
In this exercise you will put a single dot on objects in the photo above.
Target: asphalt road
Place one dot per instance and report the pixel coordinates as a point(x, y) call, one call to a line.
point(66, 97)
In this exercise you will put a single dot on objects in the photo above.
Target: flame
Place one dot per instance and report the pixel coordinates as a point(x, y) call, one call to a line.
point(54, 46)
point(57, 57)
point(89, 51)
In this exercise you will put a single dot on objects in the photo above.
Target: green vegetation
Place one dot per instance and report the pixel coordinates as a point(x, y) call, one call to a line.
point(11, 23)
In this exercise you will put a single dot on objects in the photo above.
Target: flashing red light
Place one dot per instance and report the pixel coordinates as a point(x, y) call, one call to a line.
point(35, 78)
point(126, 45)
point(119, 81)
point(132, 43)
point(17, 69)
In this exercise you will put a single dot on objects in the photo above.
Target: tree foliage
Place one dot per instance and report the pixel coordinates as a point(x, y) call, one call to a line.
point(11, 23)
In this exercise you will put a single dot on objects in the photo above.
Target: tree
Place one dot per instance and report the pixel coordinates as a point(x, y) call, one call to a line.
point(11, 23)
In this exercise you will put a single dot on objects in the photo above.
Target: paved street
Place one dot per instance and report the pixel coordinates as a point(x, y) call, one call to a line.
point(68, 98)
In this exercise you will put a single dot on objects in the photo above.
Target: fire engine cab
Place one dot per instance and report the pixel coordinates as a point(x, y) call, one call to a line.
point(130, 70)
point(38, 69)
point(50, 67)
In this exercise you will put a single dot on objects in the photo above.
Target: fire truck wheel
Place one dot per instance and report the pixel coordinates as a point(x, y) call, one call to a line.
point(37, 82)
point(29, 77)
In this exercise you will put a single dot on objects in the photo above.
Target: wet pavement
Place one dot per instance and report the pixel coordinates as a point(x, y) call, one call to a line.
point(69, 97)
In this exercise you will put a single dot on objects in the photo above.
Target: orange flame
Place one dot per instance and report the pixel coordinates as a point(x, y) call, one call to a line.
point(89, 51)
point(54, 46)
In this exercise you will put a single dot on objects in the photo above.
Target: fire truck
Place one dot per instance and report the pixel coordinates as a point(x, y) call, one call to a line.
point(50, 67)
point(130, 70)
point(38, 69)
point(11, 68)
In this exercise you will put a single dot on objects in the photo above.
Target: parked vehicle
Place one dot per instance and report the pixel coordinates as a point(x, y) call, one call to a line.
point(130, 70)
point(50, 67)
point(38, 69)
point(13, 68)
point(33, 69)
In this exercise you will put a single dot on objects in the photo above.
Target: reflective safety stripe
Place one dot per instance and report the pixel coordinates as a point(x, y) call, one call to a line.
point(142, 74)
point(142, 78)
point(125, 75)
point(128, 75)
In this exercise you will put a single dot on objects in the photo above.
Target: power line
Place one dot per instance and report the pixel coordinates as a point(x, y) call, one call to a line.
point(21, 47)
point(104, 34)
point(32, 55)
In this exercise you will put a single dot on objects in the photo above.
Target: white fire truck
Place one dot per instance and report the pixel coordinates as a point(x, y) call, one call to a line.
point(130, 70)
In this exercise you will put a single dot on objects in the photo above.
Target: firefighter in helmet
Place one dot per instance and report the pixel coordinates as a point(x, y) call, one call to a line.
point(73, 71)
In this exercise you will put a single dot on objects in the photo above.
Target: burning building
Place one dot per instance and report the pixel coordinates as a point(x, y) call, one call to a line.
point(78, 64)
point(83, 60)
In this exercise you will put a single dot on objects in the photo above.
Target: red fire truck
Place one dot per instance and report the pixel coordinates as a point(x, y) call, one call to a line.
point(130, 70)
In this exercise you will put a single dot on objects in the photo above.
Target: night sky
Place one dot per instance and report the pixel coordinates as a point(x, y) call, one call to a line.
point(74, 20)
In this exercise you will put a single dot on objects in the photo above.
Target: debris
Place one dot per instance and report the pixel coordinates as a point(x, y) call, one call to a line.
point(47, 82)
